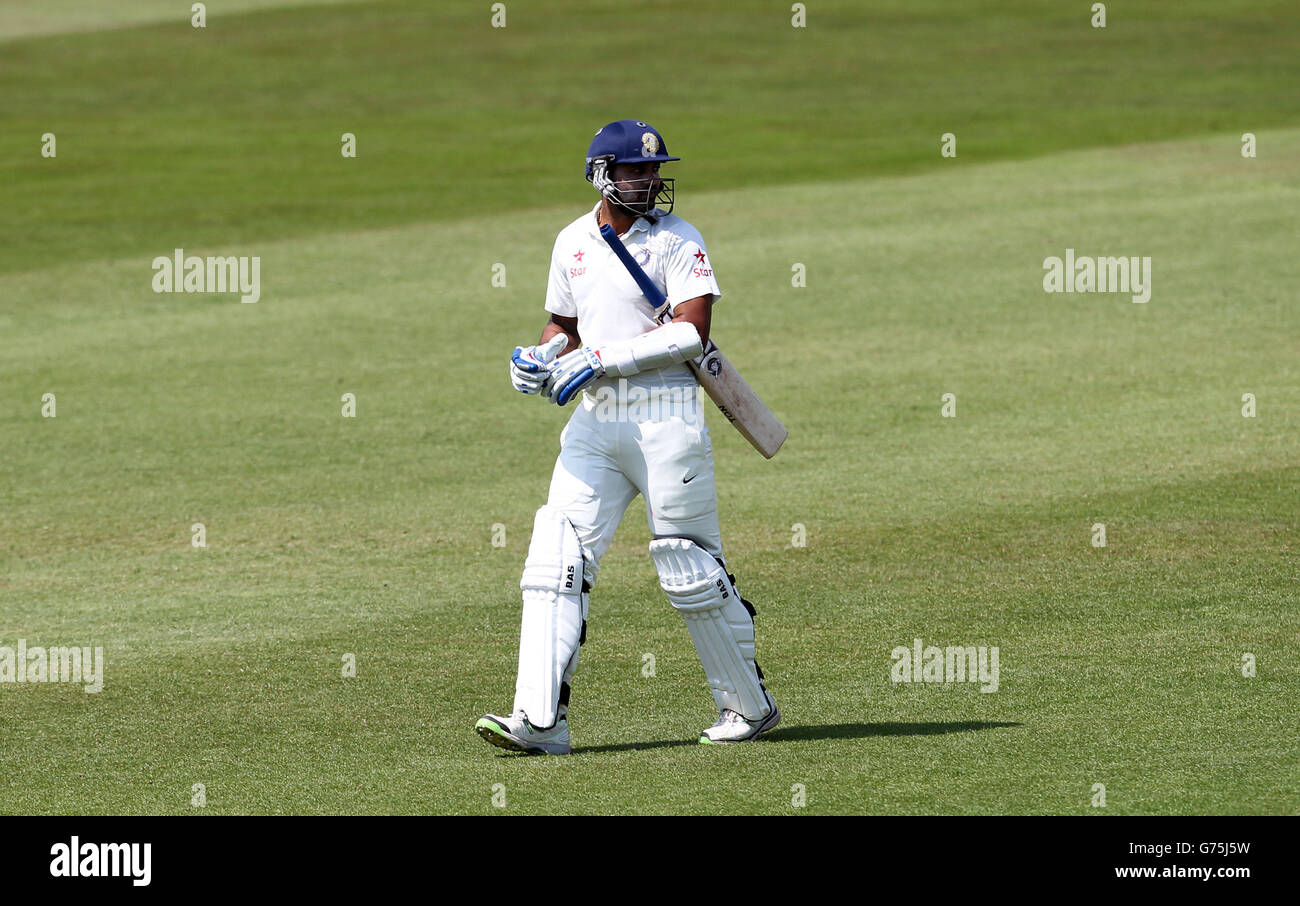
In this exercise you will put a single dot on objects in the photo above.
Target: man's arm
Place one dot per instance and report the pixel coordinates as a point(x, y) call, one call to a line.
point(567, 326)
point(697, 311)
point(674, 343)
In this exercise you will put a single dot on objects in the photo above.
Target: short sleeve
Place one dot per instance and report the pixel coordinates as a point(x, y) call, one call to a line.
point(688, 271)
point(559, 296)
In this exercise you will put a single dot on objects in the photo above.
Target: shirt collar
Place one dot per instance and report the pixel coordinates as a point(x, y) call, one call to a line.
point(640, 225)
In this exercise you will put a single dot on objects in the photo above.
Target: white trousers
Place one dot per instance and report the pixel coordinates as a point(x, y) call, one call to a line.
point(604, 462)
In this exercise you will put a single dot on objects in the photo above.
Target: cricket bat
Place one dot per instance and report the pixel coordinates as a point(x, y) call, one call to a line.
point(720, 380)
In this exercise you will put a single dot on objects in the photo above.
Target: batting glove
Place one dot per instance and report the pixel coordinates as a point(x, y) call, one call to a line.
point(530, 366)
point(571, 373)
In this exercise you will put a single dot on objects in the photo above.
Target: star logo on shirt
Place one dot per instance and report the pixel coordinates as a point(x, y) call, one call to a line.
point(699, 255)
point(578, 254)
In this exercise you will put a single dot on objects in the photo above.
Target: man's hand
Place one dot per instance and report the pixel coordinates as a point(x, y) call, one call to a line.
point(530, 366)
point(571, 373)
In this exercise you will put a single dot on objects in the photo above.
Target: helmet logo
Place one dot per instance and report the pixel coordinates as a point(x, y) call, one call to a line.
point(649, 144)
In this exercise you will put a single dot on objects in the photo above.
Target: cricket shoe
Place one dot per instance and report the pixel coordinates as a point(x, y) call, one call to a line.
point(732, 727)
point(516, 734)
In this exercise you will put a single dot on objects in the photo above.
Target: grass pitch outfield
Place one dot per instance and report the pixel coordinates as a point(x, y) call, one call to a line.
point(372, 536)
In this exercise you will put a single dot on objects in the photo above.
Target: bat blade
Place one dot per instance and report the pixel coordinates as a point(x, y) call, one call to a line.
point(739, 403)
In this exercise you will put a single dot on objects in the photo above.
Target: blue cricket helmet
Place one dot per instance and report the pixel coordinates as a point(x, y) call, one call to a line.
point(628, 142)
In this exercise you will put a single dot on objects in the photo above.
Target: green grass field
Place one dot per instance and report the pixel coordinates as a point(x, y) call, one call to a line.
point(372, 536)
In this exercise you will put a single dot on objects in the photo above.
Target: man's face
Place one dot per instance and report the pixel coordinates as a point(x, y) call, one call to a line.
point(636, 180)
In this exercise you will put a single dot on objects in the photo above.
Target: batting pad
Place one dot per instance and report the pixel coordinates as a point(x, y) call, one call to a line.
point(553, 615)
point(720, 625)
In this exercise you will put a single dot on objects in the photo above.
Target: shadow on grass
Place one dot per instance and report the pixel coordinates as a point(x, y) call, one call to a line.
point(831, 731)
point(860, 731)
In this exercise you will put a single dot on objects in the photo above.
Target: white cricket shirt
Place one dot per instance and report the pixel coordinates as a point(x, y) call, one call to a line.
point(589, 283)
